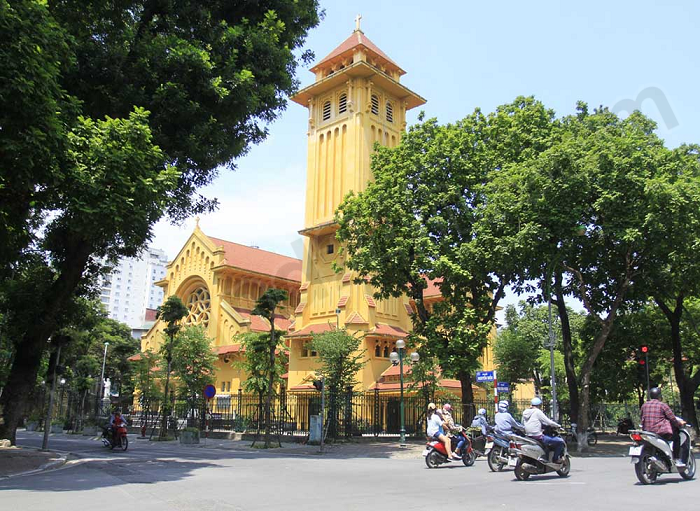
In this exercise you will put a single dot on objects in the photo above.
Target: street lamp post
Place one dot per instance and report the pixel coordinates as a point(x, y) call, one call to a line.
point(397, 358)
point(555, 407)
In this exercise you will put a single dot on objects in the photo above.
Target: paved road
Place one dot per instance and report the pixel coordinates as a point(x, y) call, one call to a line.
point(167, 477)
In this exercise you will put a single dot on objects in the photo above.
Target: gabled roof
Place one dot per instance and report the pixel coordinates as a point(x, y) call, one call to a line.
point(357, 38)
point(260, 261)
point(308, 330)
point(260, 324)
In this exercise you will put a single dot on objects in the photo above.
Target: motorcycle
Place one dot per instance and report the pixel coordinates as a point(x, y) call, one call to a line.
point(653, 456)
point(498, 451)
point(436, 455)
point(533, 457)
point(118, 438)
point(624, 426)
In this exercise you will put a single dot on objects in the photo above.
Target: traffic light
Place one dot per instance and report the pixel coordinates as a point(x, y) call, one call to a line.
point(644, 349)
point(318, 385)
point(642, 362)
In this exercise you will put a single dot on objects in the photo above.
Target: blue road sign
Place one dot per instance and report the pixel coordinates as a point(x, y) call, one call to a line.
point(482, 376)
point(209, 391)
point(502, 386)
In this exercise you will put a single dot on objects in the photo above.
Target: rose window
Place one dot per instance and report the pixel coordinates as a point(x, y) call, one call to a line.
point(199, 305)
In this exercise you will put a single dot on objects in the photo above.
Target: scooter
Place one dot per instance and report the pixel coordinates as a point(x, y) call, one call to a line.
point(653, 456)
point(498, 451)
point(117, 439)
point(624, 426)
point(533, 457)
point(436, 455)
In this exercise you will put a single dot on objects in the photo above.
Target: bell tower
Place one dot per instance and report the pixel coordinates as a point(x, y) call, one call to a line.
point(356, 100)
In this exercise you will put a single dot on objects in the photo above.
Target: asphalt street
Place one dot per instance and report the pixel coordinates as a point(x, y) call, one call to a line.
point(155, 477)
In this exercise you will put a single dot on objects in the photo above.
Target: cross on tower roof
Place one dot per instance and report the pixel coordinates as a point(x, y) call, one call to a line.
point(357, 22)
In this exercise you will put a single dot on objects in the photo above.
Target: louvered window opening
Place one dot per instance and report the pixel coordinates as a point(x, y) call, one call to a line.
point(375, 105)
point(326, 110)
point(343, 104)
point(389, 112)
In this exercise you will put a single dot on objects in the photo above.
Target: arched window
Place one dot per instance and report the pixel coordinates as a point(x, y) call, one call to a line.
point(199, 305)
point(386, 350)
point(326, 110)
point(375, 104)
point(343, 103)
point(389, 112)
point(377, 350)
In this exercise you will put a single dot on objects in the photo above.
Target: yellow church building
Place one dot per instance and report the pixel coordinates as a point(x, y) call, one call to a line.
point(356, 101)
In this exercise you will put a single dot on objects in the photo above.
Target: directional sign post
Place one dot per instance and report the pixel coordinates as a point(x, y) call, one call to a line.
point(503, 386)
point(484, 376)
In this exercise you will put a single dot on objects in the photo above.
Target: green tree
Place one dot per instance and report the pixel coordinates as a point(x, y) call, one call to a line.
point(599, 173)
point(131, 107)
point(258, 366)
point(340, 359)
point(265, 307)
point(193, 363)
point(424, 216)
point(171, 313)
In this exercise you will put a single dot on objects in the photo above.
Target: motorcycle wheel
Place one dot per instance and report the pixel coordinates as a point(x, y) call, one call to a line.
point(492, 459)
point(689, 471)
point(592, 438)
point(468, 458)
point(432, 459)
point(124, 443)
point(520, 474)
point(565, 467)
point(646, 473)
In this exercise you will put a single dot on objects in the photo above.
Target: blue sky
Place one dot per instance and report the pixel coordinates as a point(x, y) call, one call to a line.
point(460, 55)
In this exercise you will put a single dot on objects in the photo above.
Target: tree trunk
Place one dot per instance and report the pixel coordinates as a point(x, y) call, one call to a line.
point(30, 349)
point(166, 403)
point(465, 380)
point(686, 385)
point(567, 345)
point(270, 383)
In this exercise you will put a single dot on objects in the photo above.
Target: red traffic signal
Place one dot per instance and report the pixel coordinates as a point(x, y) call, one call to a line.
point(642, 362)
point(644, 349)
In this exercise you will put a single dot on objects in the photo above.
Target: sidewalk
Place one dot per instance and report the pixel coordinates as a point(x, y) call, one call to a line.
point(21, 460)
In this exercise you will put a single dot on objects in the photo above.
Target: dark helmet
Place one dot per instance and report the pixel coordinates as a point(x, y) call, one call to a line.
point(655, 393)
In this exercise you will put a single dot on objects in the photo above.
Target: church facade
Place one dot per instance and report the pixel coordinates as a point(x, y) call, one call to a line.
point(357, 100)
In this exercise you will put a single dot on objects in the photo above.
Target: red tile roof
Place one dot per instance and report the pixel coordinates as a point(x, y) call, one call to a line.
point(304, 286)
point(343, 300)
point(355, 319)
point(346, 277)
point(260, 261)
point(308, 330)
point(383, 329)
point(357, 38)
point(300, 308)
point(134, 358)
point(409, 309)
point(259, 324)
point(231, 348)
point(370, 301)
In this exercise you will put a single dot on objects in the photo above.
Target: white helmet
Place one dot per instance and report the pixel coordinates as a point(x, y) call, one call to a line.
point(536, 401)
point(482, 411)
point(503, 406)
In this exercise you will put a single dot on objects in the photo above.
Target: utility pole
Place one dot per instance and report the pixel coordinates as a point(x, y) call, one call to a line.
point(101, 382)
point(47, 421)
point(323, 406)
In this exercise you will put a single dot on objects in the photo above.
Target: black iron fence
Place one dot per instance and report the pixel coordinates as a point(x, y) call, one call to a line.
point(347, 414)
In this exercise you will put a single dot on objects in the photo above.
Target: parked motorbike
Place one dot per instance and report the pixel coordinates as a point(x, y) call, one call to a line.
point(653, 456)
point(117, 439)
point(533, 457)
point(498, 451)
point(436, 455)
point(624, 426)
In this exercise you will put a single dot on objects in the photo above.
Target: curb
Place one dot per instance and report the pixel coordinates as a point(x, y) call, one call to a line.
point(51, 465)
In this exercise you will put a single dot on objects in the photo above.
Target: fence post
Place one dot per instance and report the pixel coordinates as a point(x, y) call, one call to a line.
point(377, 427)
point(240, 399)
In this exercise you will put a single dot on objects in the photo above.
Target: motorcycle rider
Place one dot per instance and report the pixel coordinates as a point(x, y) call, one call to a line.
point(451, 428)
point(480, 421)
point(533, 420)
point(115, 421)
point(657, 417)
point(505, 421)
point(435, 430)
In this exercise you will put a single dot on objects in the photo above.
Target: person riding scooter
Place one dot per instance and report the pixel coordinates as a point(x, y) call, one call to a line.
point(534, 420)
point(451, 428)
point(436, 430)
point(116, 420)
point(505, 421)
point(657, 417)
point(480, 421)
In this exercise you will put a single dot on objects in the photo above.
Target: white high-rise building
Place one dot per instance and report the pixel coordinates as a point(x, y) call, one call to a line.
point(129, 290)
